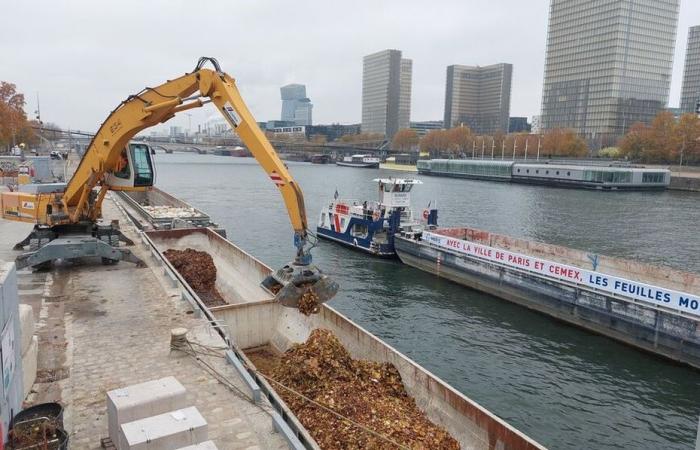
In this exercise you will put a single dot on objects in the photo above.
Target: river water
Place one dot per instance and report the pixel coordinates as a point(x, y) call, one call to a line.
point(564, 387)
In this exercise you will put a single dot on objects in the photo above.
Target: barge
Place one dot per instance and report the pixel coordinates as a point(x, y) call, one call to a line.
point(156, 209)
point(252, 320)
point(597, 177)
point(655, 309)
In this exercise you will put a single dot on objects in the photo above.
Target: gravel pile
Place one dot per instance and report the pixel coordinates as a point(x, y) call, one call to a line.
point(170, 212)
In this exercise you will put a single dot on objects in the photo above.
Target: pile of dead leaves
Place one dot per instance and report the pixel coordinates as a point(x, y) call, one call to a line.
point(308, 303)
point(369, 393)
point(198, 269)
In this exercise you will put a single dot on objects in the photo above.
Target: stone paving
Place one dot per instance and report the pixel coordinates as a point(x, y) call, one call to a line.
point(104, 327)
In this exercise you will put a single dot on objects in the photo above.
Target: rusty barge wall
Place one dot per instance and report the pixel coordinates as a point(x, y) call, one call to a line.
point(254, 319)
point(633, 270)
point(266, 323)
point(666, 333)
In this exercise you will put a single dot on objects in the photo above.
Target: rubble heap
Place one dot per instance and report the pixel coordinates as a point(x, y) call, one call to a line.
point(369, 393)
point(170, 212)
point(198, 269)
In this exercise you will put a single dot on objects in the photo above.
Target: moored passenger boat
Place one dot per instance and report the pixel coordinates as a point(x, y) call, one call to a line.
point(549, 173)
point(370, 226)
point(361, 161)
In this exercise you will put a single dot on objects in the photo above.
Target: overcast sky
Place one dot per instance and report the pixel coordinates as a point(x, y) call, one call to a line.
point(83, 57)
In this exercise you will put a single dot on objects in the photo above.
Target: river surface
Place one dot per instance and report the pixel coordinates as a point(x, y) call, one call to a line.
point(564, 387)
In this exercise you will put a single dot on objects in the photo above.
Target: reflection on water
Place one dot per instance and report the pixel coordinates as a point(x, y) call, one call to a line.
point(564, 387)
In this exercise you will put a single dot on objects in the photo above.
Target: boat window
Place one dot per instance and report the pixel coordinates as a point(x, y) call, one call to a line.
point(518, 170)
point(568, 174)
point(546, 172)
point(653, 177)
point(557, 172)
point(527, 171)
point(537, 171)
point(359, 230)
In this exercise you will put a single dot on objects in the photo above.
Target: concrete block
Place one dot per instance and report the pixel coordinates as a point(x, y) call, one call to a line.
point(173, 429)
point(29, 365)
point(10, 396)
point(206, 445)
point(26, 326)
point(143, 400)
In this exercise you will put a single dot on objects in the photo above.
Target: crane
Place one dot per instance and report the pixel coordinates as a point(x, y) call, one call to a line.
point(66, 218)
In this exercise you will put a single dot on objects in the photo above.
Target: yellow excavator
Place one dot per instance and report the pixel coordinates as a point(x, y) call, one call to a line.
point(66, 217)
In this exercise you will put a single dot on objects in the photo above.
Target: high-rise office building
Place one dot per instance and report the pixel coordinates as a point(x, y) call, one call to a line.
point(386, 92)
point(478, 97)
point(608, 65)
point(690, 93)
point(296, 106)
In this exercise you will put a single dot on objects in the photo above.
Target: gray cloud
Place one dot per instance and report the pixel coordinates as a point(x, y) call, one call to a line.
point(83, 57)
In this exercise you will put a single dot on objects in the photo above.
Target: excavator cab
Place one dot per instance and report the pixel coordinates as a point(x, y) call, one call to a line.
point(134, 170)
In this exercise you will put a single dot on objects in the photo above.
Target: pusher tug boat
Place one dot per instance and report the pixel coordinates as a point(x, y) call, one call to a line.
point(370, 226)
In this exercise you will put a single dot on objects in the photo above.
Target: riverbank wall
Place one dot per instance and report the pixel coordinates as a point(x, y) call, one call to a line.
point(685, 183)
point(656, 328)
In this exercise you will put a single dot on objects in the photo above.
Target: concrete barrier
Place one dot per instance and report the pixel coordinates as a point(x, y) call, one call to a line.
point(685, 183)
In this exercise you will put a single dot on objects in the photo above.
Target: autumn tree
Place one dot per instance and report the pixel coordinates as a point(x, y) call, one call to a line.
point(434, 142)
point(664, 140)
point(12, 116)
point(405, 140)
point(688, 137)
point(563, 142)
point(634, 144)
point(459, 139)
point(662, 134)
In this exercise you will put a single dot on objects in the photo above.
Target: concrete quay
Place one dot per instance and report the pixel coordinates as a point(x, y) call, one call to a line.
point(105, 327)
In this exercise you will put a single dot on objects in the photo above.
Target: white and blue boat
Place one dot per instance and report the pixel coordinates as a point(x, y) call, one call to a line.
point(370, 226)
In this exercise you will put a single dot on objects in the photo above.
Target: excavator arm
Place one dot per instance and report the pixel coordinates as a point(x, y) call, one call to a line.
point(156, 105)
point(103, 167)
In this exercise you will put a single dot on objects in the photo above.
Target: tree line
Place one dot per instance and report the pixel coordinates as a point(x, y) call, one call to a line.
point(15, 127)
point(461, 142)
point(664, 141)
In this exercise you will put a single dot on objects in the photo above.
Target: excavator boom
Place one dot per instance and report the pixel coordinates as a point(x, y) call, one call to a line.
point(111, 162)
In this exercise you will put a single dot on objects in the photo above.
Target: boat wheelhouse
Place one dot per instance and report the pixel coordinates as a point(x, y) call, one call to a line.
point(370, 226)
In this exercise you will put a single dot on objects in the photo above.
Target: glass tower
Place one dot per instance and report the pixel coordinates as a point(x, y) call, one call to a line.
point(296, 107)
point(690, 94)
point(386, 92)
point(608, 65)
point(478, 97)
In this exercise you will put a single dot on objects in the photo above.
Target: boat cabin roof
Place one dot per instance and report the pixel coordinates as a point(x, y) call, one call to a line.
point(397, 181)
